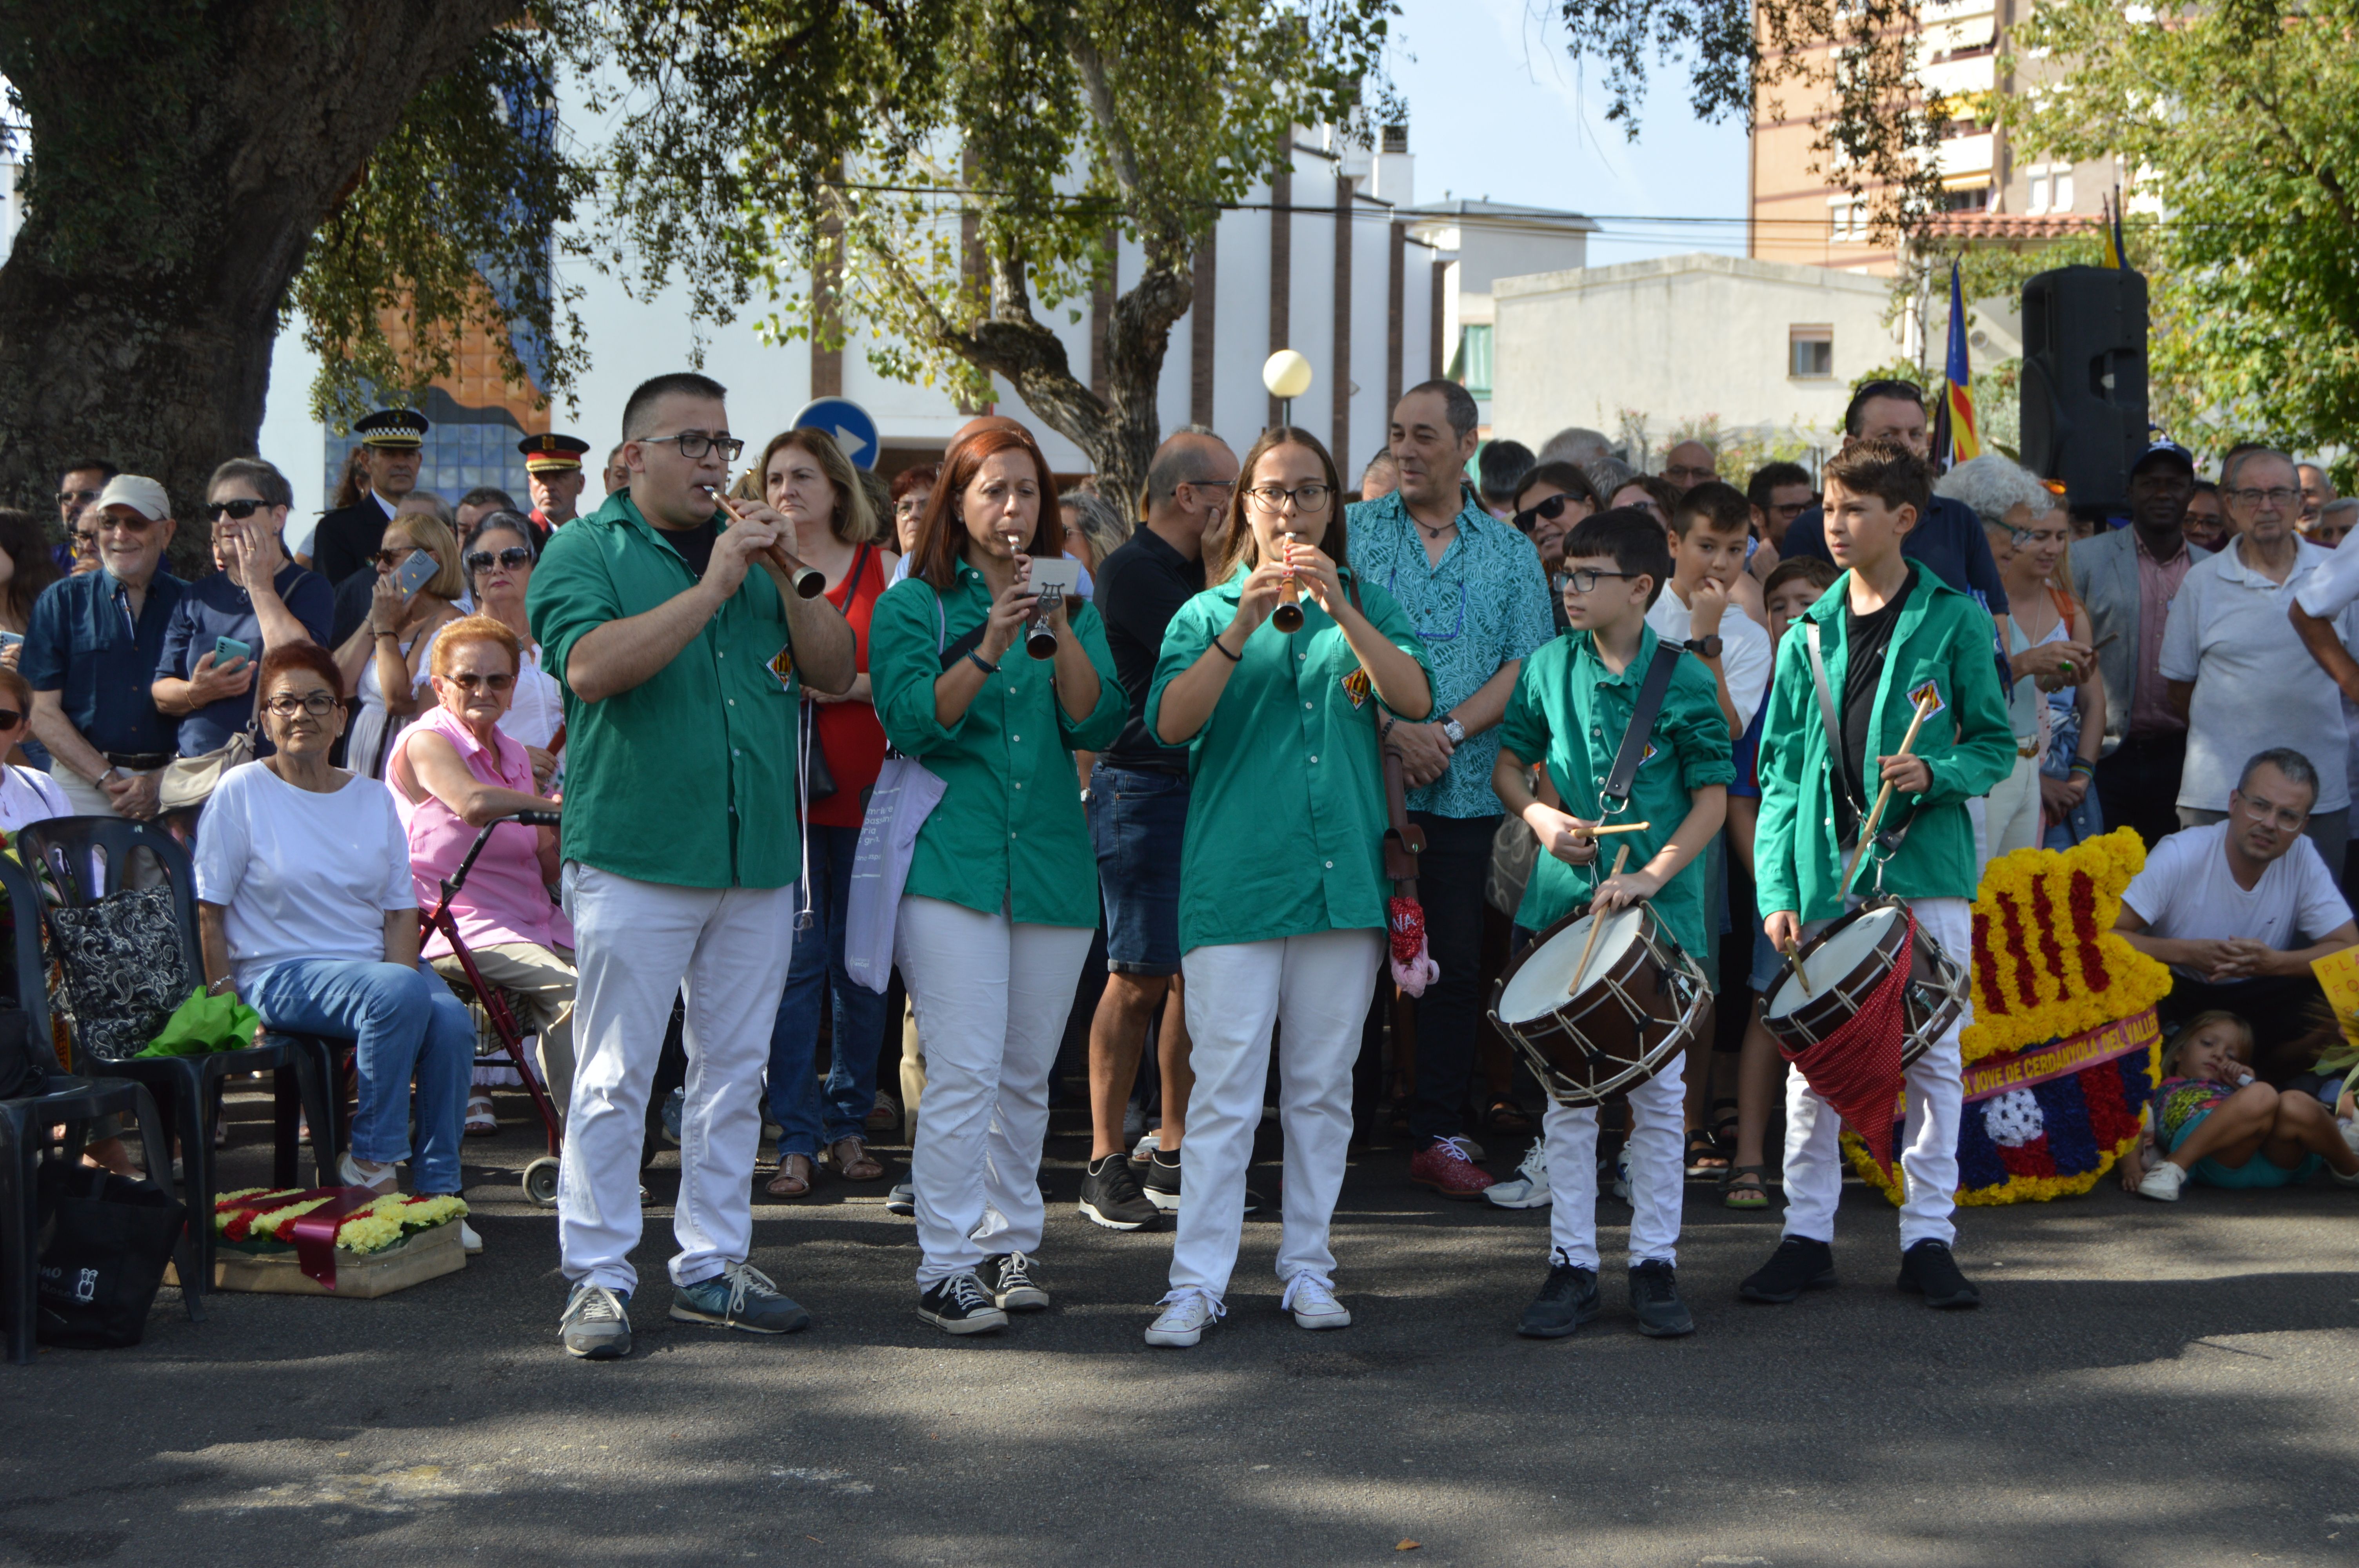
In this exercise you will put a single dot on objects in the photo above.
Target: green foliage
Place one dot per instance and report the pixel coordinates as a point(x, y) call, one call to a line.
point(2243, 120)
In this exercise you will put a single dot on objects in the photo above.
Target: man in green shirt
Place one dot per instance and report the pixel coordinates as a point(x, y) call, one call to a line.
point(681, 666)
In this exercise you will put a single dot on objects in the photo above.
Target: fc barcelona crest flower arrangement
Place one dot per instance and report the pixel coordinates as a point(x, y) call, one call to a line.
point(2063, 1051)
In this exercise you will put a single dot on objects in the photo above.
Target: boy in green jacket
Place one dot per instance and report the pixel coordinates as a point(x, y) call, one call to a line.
point(1890, 635)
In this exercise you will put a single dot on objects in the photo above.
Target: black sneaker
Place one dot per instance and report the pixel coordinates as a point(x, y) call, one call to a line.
point(1110, 1196)
point(1799, 1264)
point(1162, 1185)
point(961, 1305)
point(1012, 1281)
point(1655, 1297)
point(1567, 1301)
point(1928, 1269)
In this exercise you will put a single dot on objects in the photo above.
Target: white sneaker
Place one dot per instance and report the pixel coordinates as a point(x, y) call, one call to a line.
point(357, 1172)
point(1148, 1142)
point(1312, 1302)
point(1622, 1174)
point(1185, 1314)
point(2349, 1130)
point(469, 1241)
point(1529, 1187)
point(2162, 1183)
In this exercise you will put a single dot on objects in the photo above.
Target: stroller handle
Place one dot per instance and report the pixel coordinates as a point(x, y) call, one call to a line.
point(536, 818)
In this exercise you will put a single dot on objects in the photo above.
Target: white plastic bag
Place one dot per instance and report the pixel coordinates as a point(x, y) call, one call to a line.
point(904, 796)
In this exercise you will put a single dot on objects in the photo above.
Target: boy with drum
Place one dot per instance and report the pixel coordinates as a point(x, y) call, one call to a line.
point(1577, 709)
point(1891, 641)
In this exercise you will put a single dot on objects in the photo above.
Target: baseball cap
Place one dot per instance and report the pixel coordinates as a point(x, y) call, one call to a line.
point(2166, 450)
point(144, 496)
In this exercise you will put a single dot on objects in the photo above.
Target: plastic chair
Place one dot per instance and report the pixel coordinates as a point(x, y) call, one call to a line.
point(91, 857)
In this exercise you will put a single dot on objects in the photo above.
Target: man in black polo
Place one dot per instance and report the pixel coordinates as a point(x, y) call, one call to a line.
point(1138, 811)
point(392, 443)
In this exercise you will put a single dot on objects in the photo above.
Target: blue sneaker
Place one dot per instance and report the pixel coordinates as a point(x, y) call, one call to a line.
point(741, 1296)
point(675, 1106)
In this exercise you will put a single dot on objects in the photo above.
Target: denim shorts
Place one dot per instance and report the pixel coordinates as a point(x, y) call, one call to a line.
point(1765, 959)
point(1138, 821)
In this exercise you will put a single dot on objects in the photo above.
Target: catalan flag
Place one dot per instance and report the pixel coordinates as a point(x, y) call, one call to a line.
point(2109, 233)
point(1956, 438)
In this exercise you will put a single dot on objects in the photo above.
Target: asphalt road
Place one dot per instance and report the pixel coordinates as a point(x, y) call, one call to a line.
point(2146, 1386)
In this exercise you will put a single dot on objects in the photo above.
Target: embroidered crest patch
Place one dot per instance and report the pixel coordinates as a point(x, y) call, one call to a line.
point(1356, 686)
point(1917, 698)
point(783, 666)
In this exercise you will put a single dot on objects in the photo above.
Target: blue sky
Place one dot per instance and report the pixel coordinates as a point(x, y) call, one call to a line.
point(1498, 109)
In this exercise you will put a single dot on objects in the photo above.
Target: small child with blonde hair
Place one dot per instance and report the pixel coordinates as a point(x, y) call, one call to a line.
point(2215, 1123)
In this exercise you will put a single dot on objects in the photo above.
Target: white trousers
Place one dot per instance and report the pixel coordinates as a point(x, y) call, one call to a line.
point(1658, 1177)
point(638, 946)
point(1316, 987)
point(2014, 811)
point(1929, 1156)
point(991, 997)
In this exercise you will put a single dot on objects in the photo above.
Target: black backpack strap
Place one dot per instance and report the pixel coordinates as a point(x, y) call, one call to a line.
point(1651, 692)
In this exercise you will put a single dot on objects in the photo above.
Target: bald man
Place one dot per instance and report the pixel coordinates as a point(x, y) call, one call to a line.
point(1689, 464)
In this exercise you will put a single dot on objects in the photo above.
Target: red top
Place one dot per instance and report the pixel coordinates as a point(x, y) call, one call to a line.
point(848, 733)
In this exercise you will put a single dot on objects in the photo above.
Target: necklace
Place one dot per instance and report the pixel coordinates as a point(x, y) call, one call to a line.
point(1433, 532)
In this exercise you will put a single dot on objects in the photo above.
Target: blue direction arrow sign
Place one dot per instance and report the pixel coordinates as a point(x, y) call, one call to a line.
point(852, 425)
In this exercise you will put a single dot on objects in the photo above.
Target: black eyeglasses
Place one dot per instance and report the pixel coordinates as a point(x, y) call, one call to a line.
point(696, 443)
point(513, 557)
point(1584, 580)
point(1306, 497)
point(85, 541)
point(240, 509)
point(1907, 389)
point(467, 680)
point(286, 706)
point(1551, 509)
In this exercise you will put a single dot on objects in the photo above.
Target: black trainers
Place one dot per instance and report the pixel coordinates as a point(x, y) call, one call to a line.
point(1567, 1299)
point(1655, 1297)
point(1799, 1264)
point(961, 1305)
point(1012, 1281)
point(1161, 1184)
point(1110, 1197)
point(1928, 1269)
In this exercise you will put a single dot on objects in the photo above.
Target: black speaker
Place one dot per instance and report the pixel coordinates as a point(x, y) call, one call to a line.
point(2084, 410)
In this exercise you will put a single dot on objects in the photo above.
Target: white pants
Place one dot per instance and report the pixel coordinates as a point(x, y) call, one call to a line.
point(2014, 811)
point(638, 944)
point(1978, 813)
point(991, 997)
point(1928, 1158)
point(1315, 987)
point(1658, 1178)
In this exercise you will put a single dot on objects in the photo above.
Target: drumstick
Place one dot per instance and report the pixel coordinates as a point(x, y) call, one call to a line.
point(1884, 796)
point(1596, 924)
point(1616, 827)
point(1793, 951)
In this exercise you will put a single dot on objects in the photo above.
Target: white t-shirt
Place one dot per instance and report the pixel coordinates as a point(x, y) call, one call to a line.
point(1743, 653)
point(2186, 892)
point(2256, 687)
point(2326, 593)
point(300, 874)
point(28, 795)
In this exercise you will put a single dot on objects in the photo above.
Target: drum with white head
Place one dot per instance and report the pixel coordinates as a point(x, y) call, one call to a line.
point(1638, 1001)
point(1843, 965)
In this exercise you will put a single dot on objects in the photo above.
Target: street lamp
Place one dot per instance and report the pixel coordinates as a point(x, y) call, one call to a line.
point(1287, 375)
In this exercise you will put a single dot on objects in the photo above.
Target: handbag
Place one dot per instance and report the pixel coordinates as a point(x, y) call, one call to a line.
point(105, 1242)
point(188, 783)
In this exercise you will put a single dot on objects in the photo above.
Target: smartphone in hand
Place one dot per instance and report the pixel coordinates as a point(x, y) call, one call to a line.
point(229, 649)
point(415, 572)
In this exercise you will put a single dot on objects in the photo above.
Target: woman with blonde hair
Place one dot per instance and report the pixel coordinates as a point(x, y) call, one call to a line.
point(380, 661)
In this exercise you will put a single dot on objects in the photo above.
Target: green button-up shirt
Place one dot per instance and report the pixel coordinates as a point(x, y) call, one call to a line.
point(1010, 827)
point(689, 777)
point(1485, 603)
point(1944, 642)
point(1285, 813)
point(1569, 709)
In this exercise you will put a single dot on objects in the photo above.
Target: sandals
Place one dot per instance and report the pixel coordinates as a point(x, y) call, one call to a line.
point(1705, 1156)
point(794, 1177)
point(481, 1123)
point(1504, 1115)
point(1746, 1188)
point(853, 1161)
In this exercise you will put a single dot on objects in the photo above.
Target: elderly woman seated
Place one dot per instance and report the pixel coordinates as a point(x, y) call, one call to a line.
point(454, 771)
point(307, 912)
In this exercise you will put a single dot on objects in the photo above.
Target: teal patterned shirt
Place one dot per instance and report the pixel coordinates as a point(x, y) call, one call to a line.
point(1483, 605)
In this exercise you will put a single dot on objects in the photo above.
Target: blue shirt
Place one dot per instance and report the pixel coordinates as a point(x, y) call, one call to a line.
point(1484, 604)
point(83, 643)
point(1950, 541)
point(215, 607)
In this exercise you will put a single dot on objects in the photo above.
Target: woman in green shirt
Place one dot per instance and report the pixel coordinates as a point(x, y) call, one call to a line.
point(1281, 881)
point(996, 919)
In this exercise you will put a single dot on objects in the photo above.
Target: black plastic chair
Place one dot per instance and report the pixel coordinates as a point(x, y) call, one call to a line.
point(90, 857)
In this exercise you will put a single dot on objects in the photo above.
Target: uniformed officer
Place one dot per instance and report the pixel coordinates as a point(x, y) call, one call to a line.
point(552, 466)
point(392, 443)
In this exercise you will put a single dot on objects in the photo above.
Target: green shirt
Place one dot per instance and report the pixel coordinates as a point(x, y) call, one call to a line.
point(689, 777)
point(1286, 809)
point(1571, 711)
point(1009, 829)
point(1942, 638)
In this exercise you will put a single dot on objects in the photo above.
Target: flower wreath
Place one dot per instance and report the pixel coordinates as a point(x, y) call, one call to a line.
point(2054, 988)
point(261, 1218)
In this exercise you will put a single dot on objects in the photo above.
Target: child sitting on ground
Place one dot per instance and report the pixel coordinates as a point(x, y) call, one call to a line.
point(2217, 1124)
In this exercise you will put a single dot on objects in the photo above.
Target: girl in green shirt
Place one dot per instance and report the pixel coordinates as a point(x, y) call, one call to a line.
point(996, 919)
point(1281, 889)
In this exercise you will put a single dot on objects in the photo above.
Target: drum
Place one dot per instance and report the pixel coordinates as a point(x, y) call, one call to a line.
point(1641, 1001)
point(1845, 963)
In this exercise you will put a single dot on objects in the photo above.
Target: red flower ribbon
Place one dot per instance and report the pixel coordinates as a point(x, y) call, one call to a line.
point(314, 1234)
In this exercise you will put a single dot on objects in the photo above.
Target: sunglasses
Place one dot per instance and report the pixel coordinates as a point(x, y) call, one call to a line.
point(10, 718)
point(85, 541)
point(1551, 509)
point(395, 557)
point(514, 556)
point(467, 680)
point(240, 509)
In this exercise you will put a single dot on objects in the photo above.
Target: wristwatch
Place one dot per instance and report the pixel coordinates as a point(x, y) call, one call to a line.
point(1704, 647)
point(1455, 730)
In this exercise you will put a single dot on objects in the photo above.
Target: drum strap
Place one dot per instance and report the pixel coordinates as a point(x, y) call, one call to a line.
point(1651, 692)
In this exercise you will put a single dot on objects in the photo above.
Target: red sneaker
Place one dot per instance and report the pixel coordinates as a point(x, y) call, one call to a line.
point(1443, 1166)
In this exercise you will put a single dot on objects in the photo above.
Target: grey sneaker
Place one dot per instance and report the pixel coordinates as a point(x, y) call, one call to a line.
point(597, 1323)
point(741, 1296)
point(902, 1199)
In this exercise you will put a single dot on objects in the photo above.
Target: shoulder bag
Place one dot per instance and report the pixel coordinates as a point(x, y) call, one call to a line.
point(188, 783)
point(905, 794)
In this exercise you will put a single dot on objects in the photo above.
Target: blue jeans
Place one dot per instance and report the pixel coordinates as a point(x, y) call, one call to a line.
point(798, 1103)
point(406, 1025)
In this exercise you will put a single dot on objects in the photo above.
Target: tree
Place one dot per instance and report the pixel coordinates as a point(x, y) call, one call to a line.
point(2241, 119)
point(949, 176)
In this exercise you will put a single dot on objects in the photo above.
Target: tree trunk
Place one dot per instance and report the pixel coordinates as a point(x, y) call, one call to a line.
point(180, 172)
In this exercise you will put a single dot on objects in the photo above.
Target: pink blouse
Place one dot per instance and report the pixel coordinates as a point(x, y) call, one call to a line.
point(505, 899)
